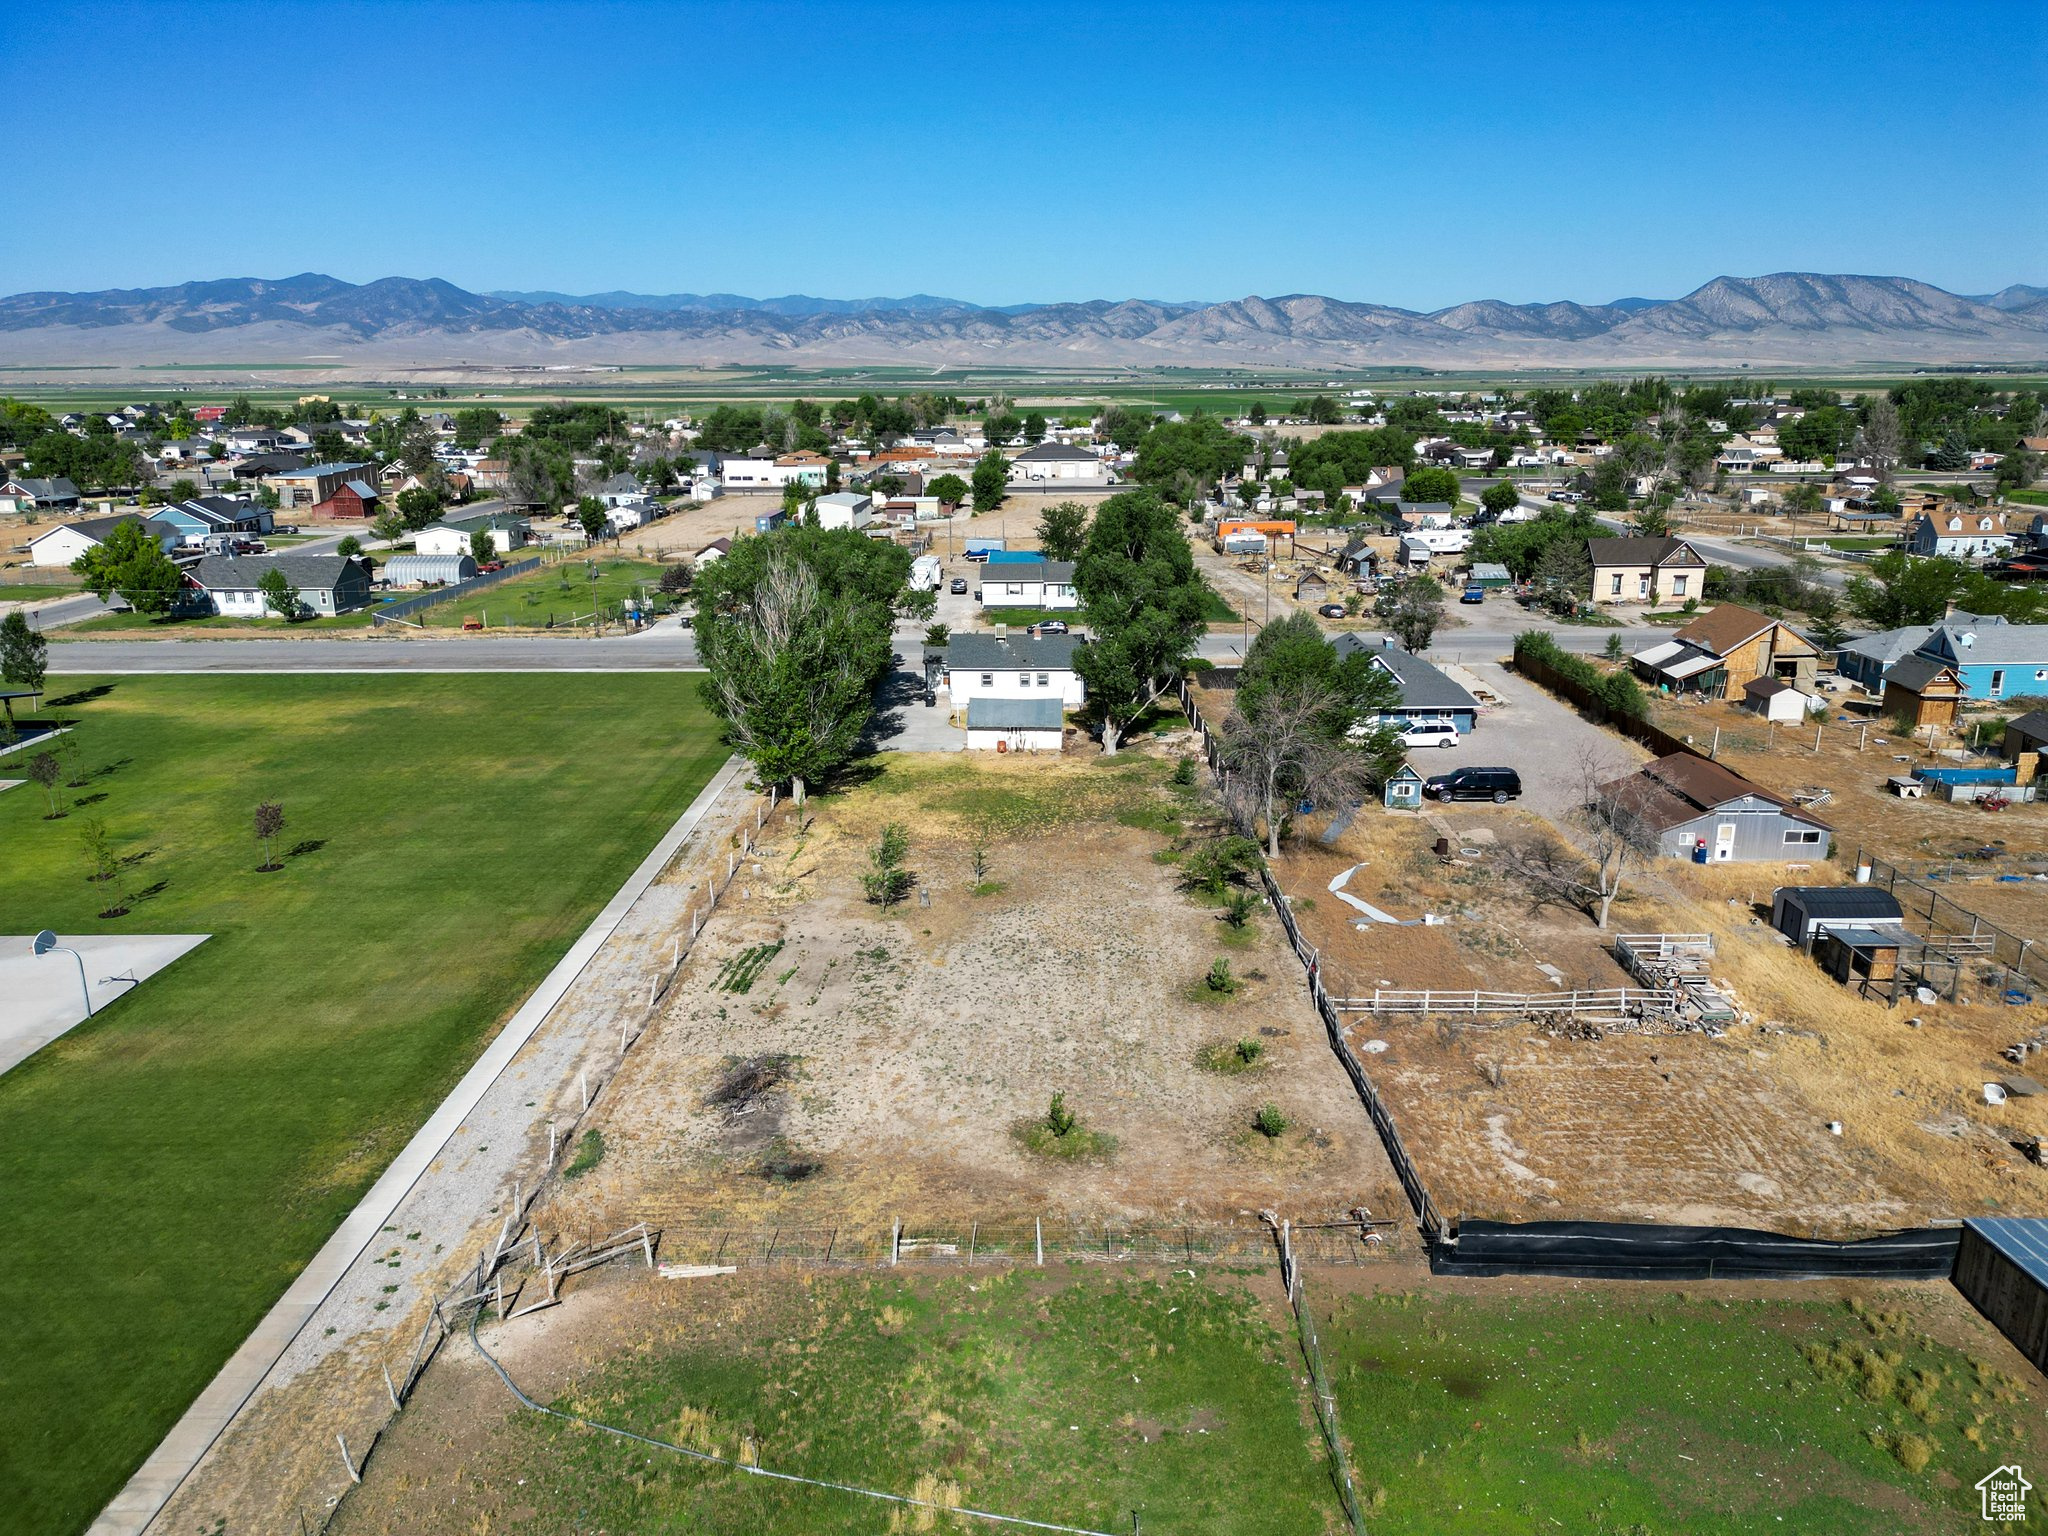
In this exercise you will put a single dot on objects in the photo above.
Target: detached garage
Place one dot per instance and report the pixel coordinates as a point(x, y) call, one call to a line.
point(1014, 725)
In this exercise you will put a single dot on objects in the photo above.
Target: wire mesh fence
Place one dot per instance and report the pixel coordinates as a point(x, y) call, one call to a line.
point(2006, 959)
point(913, 1243)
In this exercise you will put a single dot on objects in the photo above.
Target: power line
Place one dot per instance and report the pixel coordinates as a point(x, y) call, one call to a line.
point(756, 1471)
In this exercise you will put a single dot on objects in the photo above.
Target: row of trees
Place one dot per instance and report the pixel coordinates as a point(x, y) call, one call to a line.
point(795, 628)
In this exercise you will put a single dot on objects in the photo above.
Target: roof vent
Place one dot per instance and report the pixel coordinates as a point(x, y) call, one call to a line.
point(1968, 641)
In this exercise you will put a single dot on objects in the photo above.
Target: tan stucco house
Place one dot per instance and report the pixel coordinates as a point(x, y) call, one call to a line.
point(1649, 571)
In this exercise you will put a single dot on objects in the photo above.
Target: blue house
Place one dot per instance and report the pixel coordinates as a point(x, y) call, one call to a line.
point(1995, 661)
point(1960, 533)
point(1427, 693)
point(203, 515)
point(1865, 659)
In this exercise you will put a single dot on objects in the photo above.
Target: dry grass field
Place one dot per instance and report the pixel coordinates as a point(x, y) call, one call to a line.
point(1507, 1121)
point(829, 1064)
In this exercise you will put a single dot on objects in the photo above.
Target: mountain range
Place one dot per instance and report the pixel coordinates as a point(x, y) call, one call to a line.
point(1795, 318)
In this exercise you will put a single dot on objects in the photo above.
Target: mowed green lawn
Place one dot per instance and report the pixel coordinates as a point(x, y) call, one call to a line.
point(562, 591)
point(1652, 1410)
point(171, 1165)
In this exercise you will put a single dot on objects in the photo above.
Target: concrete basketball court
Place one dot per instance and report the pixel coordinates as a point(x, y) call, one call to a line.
point(40, 996)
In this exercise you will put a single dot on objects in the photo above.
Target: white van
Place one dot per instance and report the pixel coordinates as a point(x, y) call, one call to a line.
point(1429, 733)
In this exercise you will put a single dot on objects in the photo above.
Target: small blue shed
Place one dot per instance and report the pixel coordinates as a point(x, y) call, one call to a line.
point(1403, 790)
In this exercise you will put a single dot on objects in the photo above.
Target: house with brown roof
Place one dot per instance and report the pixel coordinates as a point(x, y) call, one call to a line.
point(1694, 808)
point(1641, 570)
point(1724, 649)
point(1959, 533)
point(1922, 693)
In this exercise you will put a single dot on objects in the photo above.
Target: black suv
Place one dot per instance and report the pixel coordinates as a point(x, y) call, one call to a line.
point(1500, 785)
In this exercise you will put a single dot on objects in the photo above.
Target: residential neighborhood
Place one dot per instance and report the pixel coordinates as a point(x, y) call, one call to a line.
point(1125, 818)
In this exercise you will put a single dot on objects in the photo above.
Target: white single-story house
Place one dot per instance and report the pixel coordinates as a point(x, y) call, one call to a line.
point(712, 551)
point(57, 547)
point(1013, 667)
point(1058, 461)
point(844, 509)
point(1015, 725)
point(232, 586)
point(451, 535)
point(1029, 584)
point(742, 473)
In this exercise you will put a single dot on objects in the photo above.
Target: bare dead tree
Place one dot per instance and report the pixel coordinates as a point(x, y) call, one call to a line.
point(1282, 748)
point(1615, 840)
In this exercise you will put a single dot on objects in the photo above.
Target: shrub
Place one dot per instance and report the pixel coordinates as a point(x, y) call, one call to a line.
point(589, 1153)
point(1219, 980)
point(1269, 1122)
point(1059, 1119)
point(1615, 692)
point(887, 881)
point(1184, 772)
point(1238, 907)
point(1232, 1057)
point(1213, 868)
point(1059, 1133)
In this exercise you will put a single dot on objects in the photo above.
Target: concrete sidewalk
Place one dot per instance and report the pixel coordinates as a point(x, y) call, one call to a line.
point(137, 1505)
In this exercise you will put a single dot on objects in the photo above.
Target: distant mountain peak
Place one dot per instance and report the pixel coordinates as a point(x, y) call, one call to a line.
point(1778, 319)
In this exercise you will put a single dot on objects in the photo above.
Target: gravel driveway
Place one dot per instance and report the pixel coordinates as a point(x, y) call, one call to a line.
point(1537, 735)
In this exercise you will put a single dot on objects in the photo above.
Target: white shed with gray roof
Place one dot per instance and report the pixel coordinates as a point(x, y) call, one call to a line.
point(1015, 725)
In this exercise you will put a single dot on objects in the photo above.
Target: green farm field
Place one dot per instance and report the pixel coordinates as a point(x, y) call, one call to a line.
point(173, 1163)
point(1505, 1408)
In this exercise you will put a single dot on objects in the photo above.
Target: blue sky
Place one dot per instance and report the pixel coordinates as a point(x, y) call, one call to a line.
point(1416, 154)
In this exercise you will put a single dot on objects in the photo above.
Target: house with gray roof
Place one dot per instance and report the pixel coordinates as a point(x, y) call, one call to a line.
point(1428, 693)
point(232, 585)
point(23, 494)
point(1992, 661)
point(1059, 461)
point(1865, 659)
point(58, 546)
point(1015, 725)
point(1027, 584)
point(1013, 667)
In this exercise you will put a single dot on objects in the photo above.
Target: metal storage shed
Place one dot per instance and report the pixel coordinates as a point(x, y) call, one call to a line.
point(1801, 912)
point(417, 570)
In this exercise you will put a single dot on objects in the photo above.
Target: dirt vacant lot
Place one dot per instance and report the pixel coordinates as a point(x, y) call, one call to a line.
point(827, 1064)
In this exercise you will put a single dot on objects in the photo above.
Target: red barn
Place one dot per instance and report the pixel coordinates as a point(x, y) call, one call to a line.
point(352, 498)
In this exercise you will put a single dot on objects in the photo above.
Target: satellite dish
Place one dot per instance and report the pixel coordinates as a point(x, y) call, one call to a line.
point(45, 942)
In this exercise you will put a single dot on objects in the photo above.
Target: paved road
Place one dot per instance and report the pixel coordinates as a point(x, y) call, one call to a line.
point(66, 610)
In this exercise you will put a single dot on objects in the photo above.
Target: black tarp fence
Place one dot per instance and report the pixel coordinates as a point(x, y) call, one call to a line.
point(1605, 1250)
